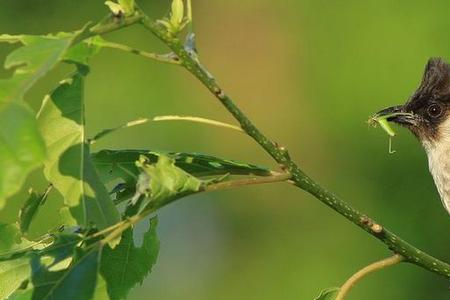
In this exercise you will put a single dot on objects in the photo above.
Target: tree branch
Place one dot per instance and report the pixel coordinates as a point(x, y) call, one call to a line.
point(281, 156)
point(387, 262)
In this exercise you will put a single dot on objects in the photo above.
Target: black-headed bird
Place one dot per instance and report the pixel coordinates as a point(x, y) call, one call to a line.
point(427, 115)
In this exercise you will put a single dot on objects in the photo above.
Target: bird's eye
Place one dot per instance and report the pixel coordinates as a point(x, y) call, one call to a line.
point(435, 110)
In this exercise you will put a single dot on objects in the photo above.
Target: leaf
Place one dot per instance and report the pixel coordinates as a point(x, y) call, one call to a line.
point(177, 14)
point(69, 166)
point(62, 247)
point(82, 52)
point(127, 265)
point(30, 208)
point(11, 242)
point(128, 6)
point(108, 131)
point(101, 292)
point(114, 164)
point(78, 282)
point(115, 8)
point(163, 181)
point(328, 294)
point(38, 55)
point(12, 274)
point(21, 147)
point(26, 294)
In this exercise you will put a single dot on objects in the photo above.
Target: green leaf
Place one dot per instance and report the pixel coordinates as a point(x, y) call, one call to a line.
point(328, 294)
point(69, 166)
point(77, 282)
point(21, 147)
point(128, 6)
point(30, 208)
point(82, 52)
point(115, 8)
point(177, 14)
point(62, 247)
point(115, 164)
point(32, 61)
point(26, 294)
point(12, 274)
point(101, 292)
point(12, 243)
point(162, 181)
point(127, 265)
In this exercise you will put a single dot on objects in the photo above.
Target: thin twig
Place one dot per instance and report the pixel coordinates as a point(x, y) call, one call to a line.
point(142, 121)
point(277, 177)
point(165, 58)
point(281, 156)
point(387, 262)
point(197, 120)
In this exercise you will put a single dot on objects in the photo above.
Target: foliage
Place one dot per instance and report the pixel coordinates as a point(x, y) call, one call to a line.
point(92, 255)
point(327, 294)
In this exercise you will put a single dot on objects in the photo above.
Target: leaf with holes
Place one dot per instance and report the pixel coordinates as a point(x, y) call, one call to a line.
point(162, 182)
point(115, 164)
point(127, 265)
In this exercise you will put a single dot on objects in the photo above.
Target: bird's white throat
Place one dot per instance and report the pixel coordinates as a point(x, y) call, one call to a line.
point(438, 153)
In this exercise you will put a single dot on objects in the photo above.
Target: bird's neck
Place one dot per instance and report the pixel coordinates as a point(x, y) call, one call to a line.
point(439, 164)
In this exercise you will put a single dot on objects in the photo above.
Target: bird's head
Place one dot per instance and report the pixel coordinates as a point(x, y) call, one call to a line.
point(427, 112)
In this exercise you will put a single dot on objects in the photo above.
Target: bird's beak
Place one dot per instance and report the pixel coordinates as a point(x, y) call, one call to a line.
point(396, 114)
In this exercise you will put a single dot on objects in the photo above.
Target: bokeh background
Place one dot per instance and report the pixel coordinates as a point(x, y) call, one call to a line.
point(309, 74)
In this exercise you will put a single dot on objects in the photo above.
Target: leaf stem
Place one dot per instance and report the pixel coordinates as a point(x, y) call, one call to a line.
point(281, 156)
point(164, 58)
point(387, 262)
point(197, 120)
point(276, 177)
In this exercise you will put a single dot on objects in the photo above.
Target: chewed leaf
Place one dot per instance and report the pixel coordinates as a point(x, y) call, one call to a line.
point(30, 208)
point(127, 264)
point(115, 164)
point(162, 181)
point(77, 282)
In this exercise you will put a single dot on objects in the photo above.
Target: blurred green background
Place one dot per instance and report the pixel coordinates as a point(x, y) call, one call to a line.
point(309, 74)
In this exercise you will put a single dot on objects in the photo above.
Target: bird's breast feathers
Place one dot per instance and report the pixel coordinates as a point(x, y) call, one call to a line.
point(438, 153)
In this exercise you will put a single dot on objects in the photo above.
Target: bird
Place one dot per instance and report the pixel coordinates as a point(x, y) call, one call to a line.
point(427, 115)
